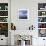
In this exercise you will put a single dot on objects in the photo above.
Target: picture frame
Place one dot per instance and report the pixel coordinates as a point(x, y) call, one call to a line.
point(23, 14)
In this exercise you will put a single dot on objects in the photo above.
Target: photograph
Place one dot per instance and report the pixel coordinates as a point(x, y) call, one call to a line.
point(23, 14)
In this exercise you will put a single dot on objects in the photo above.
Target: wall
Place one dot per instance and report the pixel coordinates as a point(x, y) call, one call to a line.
point(23, 24)
point(32, 5)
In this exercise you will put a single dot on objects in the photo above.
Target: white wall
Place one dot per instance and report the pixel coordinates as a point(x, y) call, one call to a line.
point(32, 5)
point(19, 4)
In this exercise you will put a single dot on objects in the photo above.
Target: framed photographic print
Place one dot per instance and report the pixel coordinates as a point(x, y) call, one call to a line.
point(23, 13)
